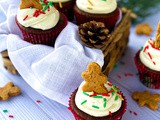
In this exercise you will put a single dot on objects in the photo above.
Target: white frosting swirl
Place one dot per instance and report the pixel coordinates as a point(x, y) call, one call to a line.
point(150, 56)
point(43, 21)
point(56, 1)
point(97, 6)
point(87, 104)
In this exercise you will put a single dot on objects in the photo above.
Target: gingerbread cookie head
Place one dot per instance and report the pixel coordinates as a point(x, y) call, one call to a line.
point(94, 79)
point(30, 3)
point(147, 99)
point(9, 90)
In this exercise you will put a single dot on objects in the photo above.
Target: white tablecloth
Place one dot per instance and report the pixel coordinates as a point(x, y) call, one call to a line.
point(26, 107)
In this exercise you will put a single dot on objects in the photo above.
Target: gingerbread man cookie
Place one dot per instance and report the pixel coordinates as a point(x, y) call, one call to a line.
point(157, 41)
point(9, 90)
point(147, 99)
point(30, 3)
point(94, 79)
point(144, 28)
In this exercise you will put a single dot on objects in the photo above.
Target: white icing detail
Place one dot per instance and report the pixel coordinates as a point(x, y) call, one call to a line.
point(112, 104)
point(97, 6)
point(155, 55)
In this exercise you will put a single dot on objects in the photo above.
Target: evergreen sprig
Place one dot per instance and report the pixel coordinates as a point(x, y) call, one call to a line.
point(142, 8)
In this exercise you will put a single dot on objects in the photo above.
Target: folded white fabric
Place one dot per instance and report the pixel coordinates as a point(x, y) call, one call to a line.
point(53, 72)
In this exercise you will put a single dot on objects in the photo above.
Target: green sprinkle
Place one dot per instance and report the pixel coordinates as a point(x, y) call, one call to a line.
point(97, 96)
point(141, 49)
point(116, 98)
point(104, 99)
point(85, 93)
point(83, 102)
point(113, 93)
point(51, 4)
point(115, 66)
point(41, 0)
point(5, 111)
point(105, 103)
point(95, 106)
point(45, 8)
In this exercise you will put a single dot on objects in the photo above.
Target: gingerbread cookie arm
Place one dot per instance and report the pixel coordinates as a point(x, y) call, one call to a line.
point(4, 97)
point(14, 91)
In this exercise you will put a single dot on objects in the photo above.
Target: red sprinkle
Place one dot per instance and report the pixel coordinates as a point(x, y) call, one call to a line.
point(145, 48)
point(128, 74)
point(130, 111)
point(10, 116)
point(154, 63)
point(25, 18)
point(119, 76)
point(38, 101)
point(45, 1)
point(109, 84)
point(105, 94)
point(110, 113)
point(94, 94)
point(135, 113)
point(150, 55)
point(110, 91)
point(48, 8)
point(37, 13)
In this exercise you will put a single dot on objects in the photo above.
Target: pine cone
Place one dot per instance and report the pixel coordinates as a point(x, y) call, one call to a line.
point(93, 34)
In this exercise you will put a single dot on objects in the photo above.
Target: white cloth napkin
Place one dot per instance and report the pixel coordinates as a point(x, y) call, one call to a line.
point(53, 72)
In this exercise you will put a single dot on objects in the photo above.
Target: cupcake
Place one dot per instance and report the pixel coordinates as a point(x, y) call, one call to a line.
point(40, 22)
point(148, 63)
point(96, 98)
point(105, 11)
point(66, 7)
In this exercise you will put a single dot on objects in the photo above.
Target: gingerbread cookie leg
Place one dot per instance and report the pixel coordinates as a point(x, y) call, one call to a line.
point(9, 90)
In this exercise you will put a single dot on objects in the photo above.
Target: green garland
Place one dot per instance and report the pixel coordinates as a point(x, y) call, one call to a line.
point(142, 8)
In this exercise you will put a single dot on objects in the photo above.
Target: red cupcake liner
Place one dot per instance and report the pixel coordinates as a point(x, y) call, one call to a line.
point(43, 37)
point(148, 77)
point(67, 9)
point(109, 21)
point(117, 117)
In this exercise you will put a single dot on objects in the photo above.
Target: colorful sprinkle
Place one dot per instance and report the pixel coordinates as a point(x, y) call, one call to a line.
point(31, 5)
point(60, 4)
point(119, 76)
point(105, 94)
point(10, 116)
point(5, 111)
point(128, 74)
point(115, 66)
point(90, 2)
point(149, 55)
point(94, 94)
point(94, 106)
point(85, 93)
point(25, 17)
point(97, 97)
point(109, 84)
point(116, 98)
point(83, 102)
point(110, 113)
point(135, 113)
point(147, 47)
point(89, 8)
point(38, 101)
point(141, 48)
point(105, 102)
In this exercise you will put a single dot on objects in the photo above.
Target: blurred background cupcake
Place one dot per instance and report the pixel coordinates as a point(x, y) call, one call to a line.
point(147, 61)
point(40, 22)
point(105, 11)
point(96, 98)
point(66, 7)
